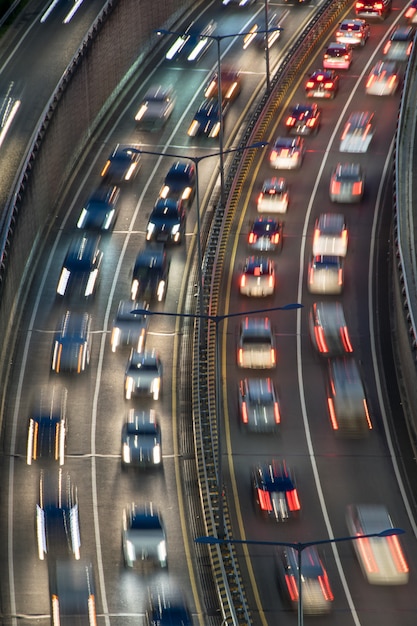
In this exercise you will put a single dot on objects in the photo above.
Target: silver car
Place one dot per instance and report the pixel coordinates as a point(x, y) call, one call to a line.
point(141, 439)
point(143, 374)
point(256, 346)
point(129, 329)
point(346, 399)
point(143, 536)
point(382, 559)
point(328, 330)
point(347, 183)
point(259, 405)
point(156, 107)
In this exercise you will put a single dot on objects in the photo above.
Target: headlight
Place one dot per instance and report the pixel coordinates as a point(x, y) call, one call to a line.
point(126, 453)
point(156, 455)
point(162, 552)
point(141, 112)
point(91, 283)
point(115, 339)
point(134, 289)
point(81, 219)
point(108, 220)
point(149, 230)
point(63, 281)
point(155, 388)
point(130, 550)
point(160, 292)
point(129, 387)
point(175, 229)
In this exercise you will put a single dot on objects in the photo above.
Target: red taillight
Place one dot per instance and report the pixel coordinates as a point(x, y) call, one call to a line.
point(368, 417)
point(387, 47)
point(274, 155)
point(277, 414)
point(392, 81)
point(378, 6)
point(273, 356)
point(397, 554)
point(335, 189)
point(309, 84)
point(292, 587)
point(252, 238)
point(240, 356)
point(357, 189)
point(410, 12)
point(244, 413)
point(321, 340)
point(275, 238)
point(359, 5)
point(332, 413)
point(325, 587)
point(328, 85)
point(410, 47)
point(271, 281)
point(346, 339)
point(311, 122)
point(340, 277)
point(264, 500)
point(367, 555)
point(290, 121)
point(293, 501)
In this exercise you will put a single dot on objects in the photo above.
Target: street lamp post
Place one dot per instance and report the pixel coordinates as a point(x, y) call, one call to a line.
point(218, 39)
point(217, 319)
point(196, 160)
point(299, 547)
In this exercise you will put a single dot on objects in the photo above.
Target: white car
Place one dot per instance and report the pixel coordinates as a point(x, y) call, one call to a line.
point(258, 277)
point(357, 133)
point(256, 347)
point(346, 399)
point(354, 32)
point(287, 153)
point(325, 275)
point(382, 559)
point(156, 107)
point(383, 79)
point(337, 56)
point(274, 197)
point(329, 333)
point(330, 235)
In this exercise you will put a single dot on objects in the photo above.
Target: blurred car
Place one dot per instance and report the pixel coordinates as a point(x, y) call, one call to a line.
point(167, 221)
point(265, 234)
point(382, 559)
point(411, 12)
point(373, 8)
point(193, 44)
point(230, 83)
point(258, 277)
point(259, 406)
point(325, 275)
point(141, 439)
point(206, 120)
point(328, 330)
point(322, 84)
point(143, 374)
point(400, 44)
point(72, 344)
point(156, 107)
point(358, 132)
point(287, 153)
point(256, 344)
point(258, 36)
point(304, 119)
point(122, 165)
point(57, 517)
point(317, 595)
point(383, 79)
point(275, 491)
point(73, 599)
point(100, 211)
point(143, 537)
point(353, 31)
point(150, 273)
point(330, 235)
point(166, 610)
point(180, 183)
point(274, 197)
point(347, 183)
point(338, 55)
point(47, 427)
point(239, 3)
point(81, 267)
point(129, 329)
point(348, 408)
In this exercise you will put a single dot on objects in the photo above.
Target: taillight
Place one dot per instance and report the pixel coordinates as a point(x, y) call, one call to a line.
point(293, 501)
point(321, 340)
point(277, 414)
point(309, 84)
point(244, 413)
point(357, 189)
point(264, 499)
point(292, 587)
point(332, 414)
point(275, 238)
point(290, 121)
point(274, 155)
point(329, 85)
point(387, 47)
point(346, 339)
point(336, 186)
point(397, 554)
point(243, 281)
point(252, 238)
point(273, 356)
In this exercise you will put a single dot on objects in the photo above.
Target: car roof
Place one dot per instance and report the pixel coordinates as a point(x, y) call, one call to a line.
point(345, 376)
point(275, 476)
point(329, 314)
point(151, 256)
point(402, 33)
point(373, 518)
point(348, 170)
point(74, 324)
point(311, 566)
point(82, 251)
point(256, 325)
point(331, 223)
point(259, 389)
point(359, 119)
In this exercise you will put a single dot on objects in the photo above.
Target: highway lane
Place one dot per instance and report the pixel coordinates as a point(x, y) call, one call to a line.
point(96, 405)
point(331, 473)
point(46, 48)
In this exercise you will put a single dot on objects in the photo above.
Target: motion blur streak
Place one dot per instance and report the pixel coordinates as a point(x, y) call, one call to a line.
point(73, 11)
point(9, 121)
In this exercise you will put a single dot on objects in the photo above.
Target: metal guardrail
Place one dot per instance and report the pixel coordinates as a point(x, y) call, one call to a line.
point(224, 561)
point(404, 244)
